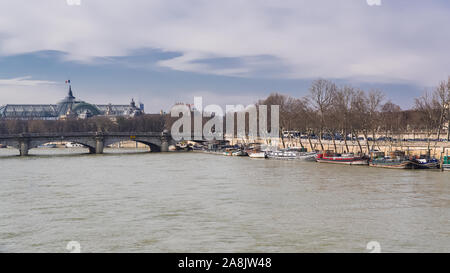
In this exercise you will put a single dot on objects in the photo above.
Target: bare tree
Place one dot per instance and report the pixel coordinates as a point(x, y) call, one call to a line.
point(429, 109)
point(343, 108)
point(322, 93)
point(442, 94)
point(374, 99)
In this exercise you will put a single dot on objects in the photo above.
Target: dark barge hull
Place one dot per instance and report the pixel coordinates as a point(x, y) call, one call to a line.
point(392, 165)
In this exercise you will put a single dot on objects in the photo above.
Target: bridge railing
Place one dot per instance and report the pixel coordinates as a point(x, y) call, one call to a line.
point(84, 134)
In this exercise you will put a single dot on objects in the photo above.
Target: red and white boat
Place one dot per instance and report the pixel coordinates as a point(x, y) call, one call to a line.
point(347, 159)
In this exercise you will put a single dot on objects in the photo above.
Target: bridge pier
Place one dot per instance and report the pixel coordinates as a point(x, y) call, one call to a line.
point(24, 147)
point(164, 146)
point(164, 142)
point(100, 145)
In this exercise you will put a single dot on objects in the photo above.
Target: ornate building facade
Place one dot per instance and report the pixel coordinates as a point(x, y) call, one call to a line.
point(69, 107)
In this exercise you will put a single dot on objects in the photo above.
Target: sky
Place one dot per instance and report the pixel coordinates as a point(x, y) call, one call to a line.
point(161, 52)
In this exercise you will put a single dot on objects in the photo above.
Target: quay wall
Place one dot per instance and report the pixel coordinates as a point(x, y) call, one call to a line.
point(409, 147)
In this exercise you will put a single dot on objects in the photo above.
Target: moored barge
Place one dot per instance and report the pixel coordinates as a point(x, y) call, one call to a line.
point(347, 159)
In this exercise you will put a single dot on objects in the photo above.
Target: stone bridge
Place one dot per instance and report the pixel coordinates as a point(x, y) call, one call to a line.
point(95, 141)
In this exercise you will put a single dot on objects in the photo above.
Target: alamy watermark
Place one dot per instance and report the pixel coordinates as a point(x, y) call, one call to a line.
point(73, 2)
point(73, 247)
point(374, 2)
point(251, 122)
point(374, 247)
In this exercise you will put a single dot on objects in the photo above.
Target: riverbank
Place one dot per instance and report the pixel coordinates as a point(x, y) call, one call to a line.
point(415, 148)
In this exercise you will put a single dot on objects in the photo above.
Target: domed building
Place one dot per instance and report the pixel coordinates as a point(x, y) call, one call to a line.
point(67, 108)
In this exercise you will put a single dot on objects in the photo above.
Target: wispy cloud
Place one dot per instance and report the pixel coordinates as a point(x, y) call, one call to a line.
point(25, 81)
point(26, 90)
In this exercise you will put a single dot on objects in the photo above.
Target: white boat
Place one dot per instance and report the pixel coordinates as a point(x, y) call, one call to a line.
point(307, 156)
point(73, 145)
point(257, 154)
point(282, 154)
point(48, 145)
point(239, 153)
point(292, 155)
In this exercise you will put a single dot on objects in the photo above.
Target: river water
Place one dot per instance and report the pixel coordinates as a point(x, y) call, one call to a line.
point(193, 202)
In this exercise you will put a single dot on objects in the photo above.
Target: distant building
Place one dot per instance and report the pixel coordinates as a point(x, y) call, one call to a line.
point(69, 107)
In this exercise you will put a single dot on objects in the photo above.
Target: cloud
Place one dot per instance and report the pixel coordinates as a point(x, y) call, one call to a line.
point(24, 81)
point(399, 41)
point(24, 90)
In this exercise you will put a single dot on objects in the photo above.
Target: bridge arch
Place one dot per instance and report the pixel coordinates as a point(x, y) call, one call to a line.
point(153, 145)
point(35, 143)
point(11, 143)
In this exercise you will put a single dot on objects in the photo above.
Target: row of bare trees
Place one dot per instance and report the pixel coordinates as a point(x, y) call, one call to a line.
point(344, 111)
